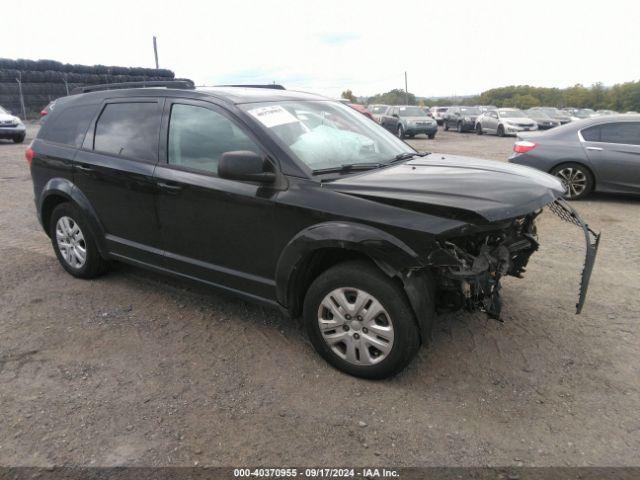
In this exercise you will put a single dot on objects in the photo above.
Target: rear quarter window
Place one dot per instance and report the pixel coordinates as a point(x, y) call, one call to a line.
point(69, 126)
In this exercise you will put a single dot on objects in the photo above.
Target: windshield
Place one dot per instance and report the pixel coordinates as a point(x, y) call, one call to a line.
point(584, 113)
point(326, 135)
point(512, 114)
point(470, 111)
point(442, 109)
point(538, 114)
point(378, 109)
point(411, 112)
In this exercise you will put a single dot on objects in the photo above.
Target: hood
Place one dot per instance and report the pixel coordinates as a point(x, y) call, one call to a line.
point(463, 188)
point(5, 117)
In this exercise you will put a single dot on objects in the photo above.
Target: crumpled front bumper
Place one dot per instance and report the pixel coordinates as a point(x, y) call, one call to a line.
point(592, 239)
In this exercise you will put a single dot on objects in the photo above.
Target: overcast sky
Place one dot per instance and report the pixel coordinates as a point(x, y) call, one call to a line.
point(326, 46)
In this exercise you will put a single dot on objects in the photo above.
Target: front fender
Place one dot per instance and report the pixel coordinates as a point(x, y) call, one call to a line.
point(57, 188)
point(391, 254)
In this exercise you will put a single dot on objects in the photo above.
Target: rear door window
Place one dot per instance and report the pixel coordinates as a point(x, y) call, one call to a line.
point(591, 134)
point(625, 133)
point(129, 130)
point(69, 126)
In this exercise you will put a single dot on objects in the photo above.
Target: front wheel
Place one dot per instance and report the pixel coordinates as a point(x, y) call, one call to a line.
point(479, 129)
point(577, 180)
point(500, 131)
point(446, 126)
point(360, 321)
point(400, 132)
point(431, 136)
point(459, 127)
point(18, 139)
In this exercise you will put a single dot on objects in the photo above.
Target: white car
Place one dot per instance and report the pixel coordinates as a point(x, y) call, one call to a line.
point(11, 127)
point(504, 121)
point(438, 114)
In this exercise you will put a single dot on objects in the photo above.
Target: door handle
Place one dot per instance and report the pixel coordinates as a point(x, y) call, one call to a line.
point(597, 149)
point(84, 168)
point(169, 187)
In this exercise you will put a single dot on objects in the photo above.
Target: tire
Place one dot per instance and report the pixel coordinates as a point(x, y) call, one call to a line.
point(479, 129)
point(459, 127)
point(400, 132)
point(63, 231)
point(500, 131)
point(19, 139)
point(446, 126)
point(431, 136)
point(576, 178)
point(359, 279)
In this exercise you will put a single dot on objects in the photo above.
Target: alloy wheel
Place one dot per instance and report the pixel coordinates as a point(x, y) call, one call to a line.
point(574, 181)
point(355, 326)
point(71, 242)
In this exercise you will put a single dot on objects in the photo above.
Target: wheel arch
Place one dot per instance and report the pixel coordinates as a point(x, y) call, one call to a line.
point(318, 248)
point(61, 190)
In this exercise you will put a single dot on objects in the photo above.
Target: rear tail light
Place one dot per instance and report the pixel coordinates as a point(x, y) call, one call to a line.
point(43, 112)
point(524, 146)
point(28, 154)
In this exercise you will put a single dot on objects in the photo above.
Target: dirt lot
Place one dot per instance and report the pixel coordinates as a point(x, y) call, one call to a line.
point(138, 369)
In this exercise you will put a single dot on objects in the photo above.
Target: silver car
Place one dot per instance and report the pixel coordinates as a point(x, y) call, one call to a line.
point(601, 154)
point(504, 121)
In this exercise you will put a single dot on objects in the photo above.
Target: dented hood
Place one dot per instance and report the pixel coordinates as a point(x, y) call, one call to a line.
point(456, 187)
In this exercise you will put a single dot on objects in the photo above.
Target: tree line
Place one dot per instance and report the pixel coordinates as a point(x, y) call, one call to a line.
point(621, 97)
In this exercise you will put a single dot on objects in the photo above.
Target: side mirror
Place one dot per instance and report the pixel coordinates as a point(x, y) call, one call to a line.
point(246, 166)
point(394, 115)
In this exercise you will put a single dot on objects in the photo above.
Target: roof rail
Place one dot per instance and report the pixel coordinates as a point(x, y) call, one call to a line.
point(179, 84)
point(273, 86)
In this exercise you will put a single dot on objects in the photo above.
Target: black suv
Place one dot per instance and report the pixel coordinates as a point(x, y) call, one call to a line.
point(289, 199)
point(463, 119)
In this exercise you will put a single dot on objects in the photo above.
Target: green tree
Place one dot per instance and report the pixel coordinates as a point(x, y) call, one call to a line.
point(348, 94)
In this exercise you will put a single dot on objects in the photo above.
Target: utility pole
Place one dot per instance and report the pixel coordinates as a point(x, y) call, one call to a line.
point(406, 90)
point(155, 51)
point(19, 80)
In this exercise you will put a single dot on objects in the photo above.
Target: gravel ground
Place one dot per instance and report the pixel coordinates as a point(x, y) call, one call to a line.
point(137, 369)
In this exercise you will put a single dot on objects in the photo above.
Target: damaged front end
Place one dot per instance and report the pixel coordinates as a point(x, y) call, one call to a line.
point(470, 267)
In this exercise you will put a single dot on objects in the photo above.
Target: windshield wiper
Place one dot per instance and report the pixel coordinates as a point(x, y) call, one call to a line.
point(408, 156)
point(348, 167)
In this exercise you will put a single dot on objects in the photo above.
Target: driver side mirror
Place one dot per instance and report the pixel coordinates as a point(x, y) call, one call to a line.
point(245, 166)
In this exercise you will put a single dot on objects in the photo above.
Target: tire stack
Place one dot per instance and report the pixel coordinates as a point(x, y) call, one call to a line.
point(46, 80)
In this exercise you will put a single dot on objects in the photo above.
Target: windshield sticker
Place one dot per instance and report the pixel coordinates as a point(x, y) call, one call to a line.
point(273, 116)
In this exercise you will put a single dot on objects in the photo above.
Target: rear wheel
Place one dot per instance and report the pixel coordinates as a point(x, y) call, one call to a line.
point(479, 129)
point(577, 180)
point(401, 132)
point(500, 131)
point(459, 127)
point(446, 126)
point(360, 321)
point(74, 243)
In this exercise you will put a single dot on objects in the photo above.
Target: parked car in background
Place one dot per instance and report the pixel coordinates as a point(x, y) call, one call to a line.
point(555, 113)
point(408, 121)
point(579, 113)
point(543, 120)
point(504, 121)
point(362, 109)
point(357, 107)
point(600, 153)
point(11, 127)
point(427, 110)
point(463, 119)
point(377, 111)
point(438, 114)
